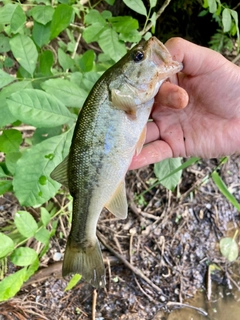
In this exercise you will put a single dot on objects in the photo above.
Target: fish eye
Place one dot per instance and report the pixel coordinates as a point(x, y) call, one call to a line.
point(138, 56)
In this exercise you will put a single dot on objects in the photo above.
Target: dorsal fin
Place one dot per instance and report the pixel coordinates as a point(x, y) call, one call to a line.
point(60, 173)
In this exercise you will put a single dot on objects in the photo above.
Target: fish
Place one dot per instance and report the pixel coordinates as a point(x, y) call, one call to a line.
point(110, 130)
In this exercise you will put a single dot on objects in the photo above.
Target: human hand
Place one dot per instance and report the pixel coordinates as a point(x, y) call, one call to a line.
point(205, 121)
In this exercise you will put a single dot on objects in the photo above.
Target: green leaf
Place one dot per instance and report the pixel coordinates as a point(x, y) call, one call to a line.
point(110, 2)
point(153, 19)
point(153, 3)
point(165, 168)
point(41, 33)
point(226, 20)
point(25, 52)
point(106, 14)
point(61, 19)
point(73, 282)
point(38, 108)
point(86, 61)
point(4, 44)
point(65, 61)
point(23, 256)
point(68, 92)
point(11, 159)
point(124, 24)
point(32, 269)
point(234, 14)
point(224, 190)
point(12, 284)
point(133, 36)
point(25, 224)
point(5, 78)
point(94, 16)
point(45, 216)
point(43, 235)
point(229, 249)
point(93, 32)
point(42, 14)
point(46, 60)
point(111, 45)
point(137, 6)
point(5, 186)
point(6, 116)
point(6, 13)
point(42, 134)
point(212, 6)
point(2, 172)
point(6, 245)
point(18, 19)
point(10, 140)
point(88, 80)
point(36, 162)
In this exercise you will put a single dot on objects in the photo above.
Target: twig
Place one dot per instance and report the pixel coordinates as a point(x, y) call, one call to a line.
point(94, 303)
point(141, 289)
point(130, 248)
point(233, 281)
point(209, 283)
point(203, 312)
point(158, 14)
point(54, 269)
point(128, 265)
point(109, 273)
point(236, 58)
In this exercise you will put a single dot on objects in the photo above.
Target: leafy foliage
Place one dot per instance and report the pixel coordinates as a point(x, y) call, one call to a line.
point(227, 20)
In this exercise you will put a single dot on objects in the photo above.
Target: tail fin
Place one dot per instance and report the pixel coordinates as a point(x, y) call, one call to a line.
point(87, 262)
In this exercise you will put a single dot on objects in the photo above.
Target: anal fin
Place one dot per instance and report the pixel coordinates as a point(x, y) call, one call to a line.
point(141, 140)
point(118, 203)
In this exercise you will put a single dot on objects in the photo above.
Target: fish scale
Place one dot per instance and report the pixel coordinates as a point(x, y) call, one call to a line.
point(110, 129)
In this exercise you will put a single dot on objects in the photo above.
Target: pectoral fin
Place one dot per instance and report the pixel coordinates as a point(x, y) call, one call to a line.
point(124, 102)
point(118, 203)
point(141, 140)
point(60, 173)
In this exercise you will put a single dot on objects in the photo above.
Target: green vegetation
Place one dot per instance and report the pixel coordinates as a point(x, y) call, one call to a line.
point(44, 80)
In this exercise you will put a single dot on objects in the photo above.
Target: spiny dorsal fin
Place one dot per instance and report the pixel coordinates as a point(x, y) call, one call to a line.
point(60, 173)
point(118, 203)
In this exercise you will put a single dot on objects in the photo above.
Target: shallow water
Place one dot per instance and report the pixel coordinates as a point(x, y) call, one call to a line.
point(224, 305)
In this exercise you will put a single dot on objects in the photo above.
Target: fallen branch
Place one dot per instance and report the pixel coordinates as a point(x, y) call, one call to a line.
point(128, 265)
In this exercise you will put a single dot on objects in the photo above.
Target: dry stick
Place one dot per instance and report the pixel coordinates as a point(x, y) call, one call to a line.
point(128, 265)
point(141, 289)
point(187, 306)
point(209, 283)
point(236, 58)
point(94, 303)
point(158, 14)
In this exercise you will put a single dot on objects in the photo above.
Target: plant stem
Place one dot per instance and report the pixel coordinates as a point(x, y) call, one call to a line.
point(158, 14)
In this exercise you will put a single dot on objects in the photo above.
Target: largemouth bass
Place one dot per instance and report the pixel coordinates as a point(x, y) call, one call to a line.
point(110, 129)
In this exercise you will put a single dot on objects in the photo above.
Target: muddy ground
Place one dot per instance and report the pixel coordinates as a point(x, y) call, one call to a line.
point(156, 259)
